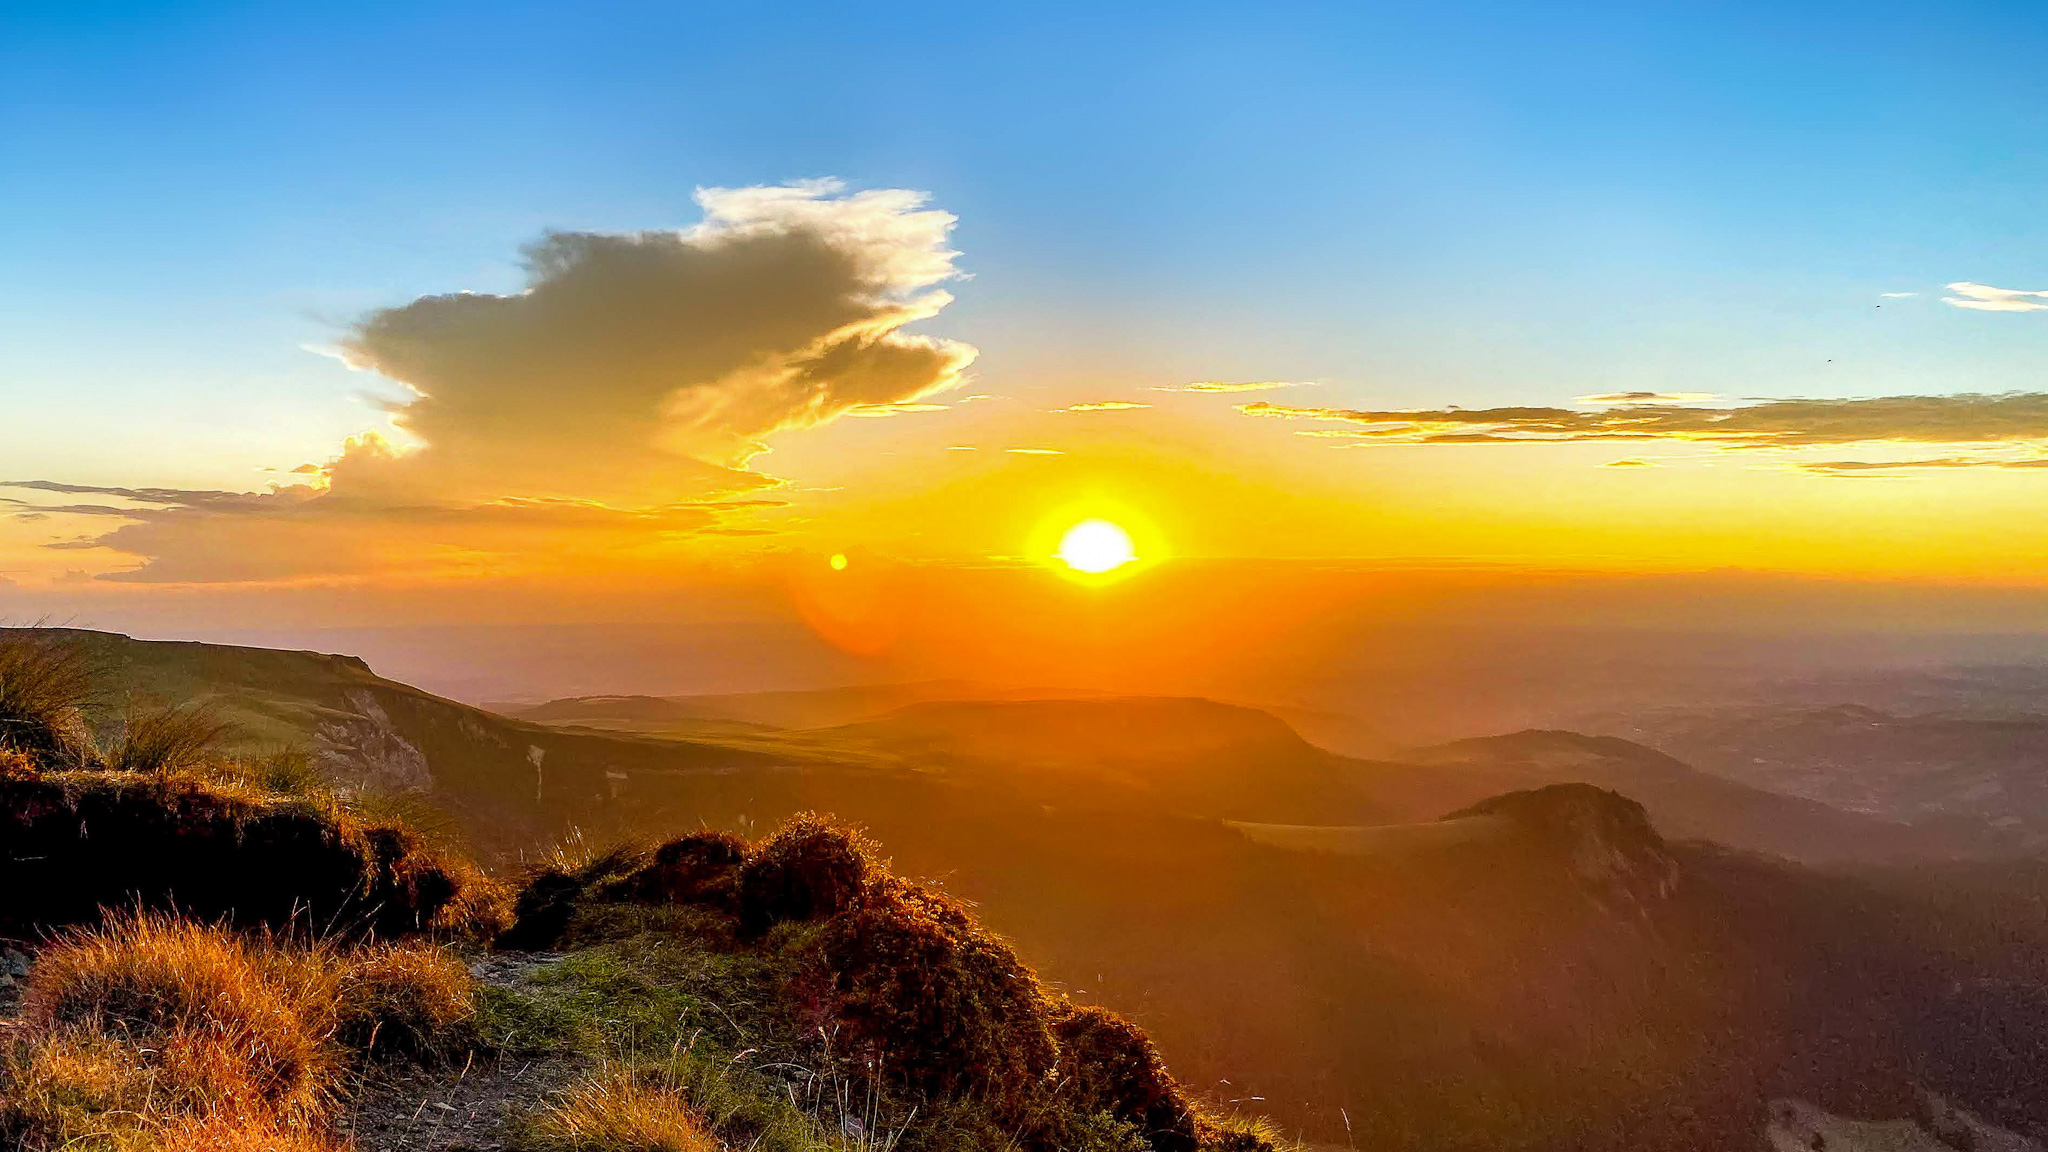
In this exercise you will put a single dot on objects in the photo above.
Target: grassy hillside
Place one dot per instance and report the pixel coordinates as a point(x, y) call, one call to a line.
point(229, 957)
point(1548, 972)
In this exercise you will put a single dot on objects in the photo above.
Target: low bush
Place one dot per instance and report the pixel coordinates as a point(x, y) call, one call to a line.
point(702, 869)
point(74, 843)
point(945, 1009)
point(554, 891)
point(1107, 1064)
point(810, 869)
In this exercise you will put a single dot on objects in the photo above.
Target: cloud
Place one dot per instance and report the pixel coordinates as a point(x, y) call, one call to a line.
point(1244, 386)
point(1614, 398)
point(1036, 451)
point(1896, 295)
point(1894, 467)
point(623, 389)
point(632, 364)
point(1630, 462)
point(1104, 406)
point(2011, 418)
point(1984, 298)
point(874, 410)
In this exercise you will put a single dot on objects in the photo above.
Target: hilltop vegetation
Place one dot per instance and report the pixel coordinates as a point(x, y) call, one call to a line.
point(248, 960)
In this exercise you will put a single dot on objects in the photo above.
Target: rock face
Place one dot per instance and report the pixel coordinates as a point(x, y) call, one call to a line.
point(366, 749)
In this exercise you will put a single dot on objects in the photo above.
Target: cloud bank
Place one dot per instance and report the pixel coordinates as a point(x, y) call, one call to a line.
point(2012, 418)
point(627, 385)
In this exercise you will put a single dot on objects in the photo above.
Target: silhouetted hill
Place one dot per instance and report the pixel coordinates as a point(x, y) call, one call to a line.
point(1167, 754)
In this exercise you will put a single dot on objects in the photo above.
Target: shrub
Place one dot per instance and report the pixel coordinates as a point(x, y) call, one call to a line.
point(552, 892)
point(701, 869)
point(943, 1008)
point(810, 869)
point(616, 1112)
point(1108, 1064)
point(409, 999)
point(165, 739)
point(45, 685)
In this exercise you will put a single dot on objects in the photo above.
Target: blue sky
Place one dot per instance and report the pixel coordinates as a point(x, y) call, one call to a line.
point(1421, 204)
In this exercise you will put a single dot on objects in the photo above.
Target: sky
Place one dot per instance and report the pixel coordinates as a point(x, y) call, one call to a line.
point(424, 312)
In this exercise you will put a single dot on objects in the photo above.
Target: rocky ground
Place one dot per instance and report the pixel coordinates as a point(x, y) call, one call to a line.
point(473, 1107)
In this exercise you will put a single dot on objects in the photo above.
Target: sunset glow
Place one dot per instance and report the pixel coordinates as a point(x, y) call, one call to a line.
point(1096, 546)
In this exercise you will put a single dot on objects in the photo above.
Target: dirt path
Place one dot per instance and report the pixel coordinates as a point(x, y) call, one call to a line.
point(471, 1108)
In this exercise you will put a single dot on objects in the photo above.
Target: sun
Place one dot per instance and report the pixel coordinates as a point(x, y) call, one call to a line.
point(1096, 546)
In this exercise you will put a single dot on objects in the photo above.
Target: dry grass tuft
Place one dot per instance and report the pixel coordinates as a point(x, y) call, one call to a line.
point(46, 683)
point(158, 1033)
point(616, 1112)
point(411, 999)
point(552, 892)
point(221, 1026)
point(168, 739)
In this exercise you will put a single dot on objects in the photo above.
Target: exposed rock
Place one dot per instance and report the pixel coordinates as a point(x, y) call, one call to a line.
point(367, 750)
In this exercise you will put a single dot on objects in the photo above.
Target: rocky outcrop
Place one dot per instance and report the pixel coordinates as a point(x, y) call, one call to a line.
point(1603, 839)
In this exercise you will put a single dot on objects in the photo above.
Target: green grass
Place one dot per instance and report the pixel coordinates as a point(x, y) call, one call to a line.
point(651, 1009)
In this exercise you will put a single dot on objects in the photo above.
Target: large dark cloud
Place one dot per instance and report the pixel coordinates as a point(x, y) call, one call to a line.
point(621, 392)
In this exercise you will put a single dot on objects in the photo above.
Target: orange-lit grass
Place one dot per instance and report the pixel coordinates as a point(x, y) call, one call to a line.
point(156, 1033)
point(615, 1111)
point(218, 1025)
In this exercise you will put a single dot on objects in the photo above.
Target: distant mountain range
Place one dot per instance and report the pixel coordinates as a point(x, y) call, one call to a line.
point(1954, 766)
point(1386, 951)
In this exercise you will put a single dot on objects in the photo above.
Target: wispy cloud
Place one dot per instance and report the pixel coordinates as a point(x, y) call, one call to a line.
point(1985, 298)
point(1104, 406)
point(2012, 418)
point(1897, 467)
point(1896, 295)
point(1613, 398)
point(1036, 451)
point(1630, 462)
point(876, 410)
point(1235, 386)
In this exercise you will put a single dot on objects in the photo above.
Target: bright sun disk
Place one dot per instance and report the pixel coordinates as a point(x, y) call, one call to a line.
point(1096, 546)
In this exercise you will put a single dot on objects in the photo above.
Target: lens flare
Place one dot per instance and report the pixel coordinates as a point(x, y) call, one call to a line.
point(1096, 546)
